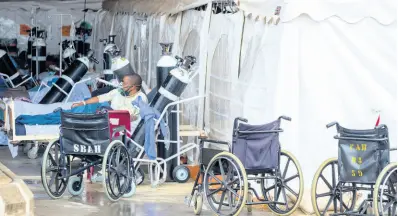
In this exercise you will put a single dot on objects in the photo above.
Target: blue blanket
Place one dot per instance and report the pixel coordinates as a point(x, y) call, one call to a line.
point(54, 118)
point(149, 114)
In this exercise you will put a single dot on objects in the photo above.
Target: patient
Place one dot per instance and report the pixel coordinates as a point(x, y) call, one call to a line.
point(121, 99)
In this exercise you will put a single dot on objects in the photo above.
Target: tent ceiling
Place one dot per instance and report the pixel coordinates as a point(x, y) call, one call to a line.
point(152, 6)
point(350, 11)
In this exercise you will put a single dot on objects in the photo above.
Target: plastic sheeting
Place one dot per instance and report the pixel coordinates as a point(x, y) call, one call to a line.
point(189, 40)
point(222, 71)
point(45, 18)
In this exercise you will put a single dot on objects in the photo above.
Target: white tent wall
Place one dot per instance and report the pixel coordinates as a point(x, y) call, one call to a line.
point(336, 68)
point(189, 44)
point(21, 13)
point(325, 61)
point(224, 43)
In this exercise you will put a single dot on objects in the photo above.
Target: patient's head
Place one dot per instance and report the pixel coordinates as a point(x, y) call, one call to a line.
point(132, 83)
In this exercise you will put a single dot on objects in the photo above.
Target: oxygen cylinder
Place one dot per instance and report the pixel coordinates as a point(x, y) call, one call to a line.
point(110, 51)
point(70, 76)
point(171, 89)
point(39, 54)
point(8, 68)
point(165, 64)
point(121, 67)
point(69, 55)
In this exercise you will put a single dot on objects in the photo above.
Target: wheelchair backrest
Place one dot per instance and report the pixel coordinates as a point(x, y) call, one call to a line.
point(257, 146)
point(362, 153)
point(84, 134)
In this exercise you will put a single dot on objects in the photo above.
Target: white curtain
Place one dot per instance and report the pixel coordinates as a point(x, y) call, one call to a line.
point(222, 70)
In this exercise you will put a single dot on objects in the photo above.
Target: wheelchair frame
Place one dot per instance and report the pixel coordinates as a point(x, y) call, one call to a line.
point(337, 189)
point(201, 184)
point(158, 175)
point(116, 149)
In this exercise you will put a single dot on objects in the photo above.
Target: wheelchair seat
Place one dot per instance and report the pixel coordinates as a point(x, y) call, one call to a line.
point(84, 134)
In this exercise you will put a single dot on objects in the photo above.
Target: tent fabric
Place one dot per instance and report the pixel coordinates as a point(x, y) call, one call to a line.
point(334, 71)
point(48, 5)
point(222, 71)
point(152, 6)
point(351, 11)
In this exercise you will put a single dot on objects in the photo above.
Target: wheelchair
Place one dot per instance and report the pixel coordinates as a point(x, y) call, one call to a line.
point(363, 164)
point(95, 140)
point(255, 155)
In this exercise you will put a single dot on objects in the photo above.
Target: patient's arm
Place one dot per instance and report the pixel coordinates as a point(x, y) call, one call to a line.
point(89, 101)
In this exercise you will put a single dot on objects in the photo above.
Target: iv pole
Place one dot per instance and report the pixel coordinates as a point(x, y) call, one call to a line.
point(60, 43)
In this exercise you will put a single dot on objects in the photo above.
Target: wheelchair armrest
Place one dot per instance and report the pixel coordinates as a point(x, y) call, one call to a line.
point(214, 141)
point(117, 129)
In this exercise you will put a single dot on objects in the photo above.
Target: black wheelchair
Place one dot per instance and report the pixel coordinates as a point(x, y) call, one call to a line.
point(255, 155)
point(91, 140)
point(363, 164)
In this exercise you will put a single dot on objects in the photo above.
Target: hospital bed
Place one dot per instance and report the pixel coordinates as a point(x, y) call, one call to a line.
point(30, 135)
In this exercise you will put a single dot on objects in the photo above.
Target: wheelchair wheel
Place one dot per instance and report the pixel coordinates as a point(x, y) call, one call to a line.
point(287, 188)
point(328, 194)
point(75, 185)
point(115, 168)
point(131, 189)
point(198, 203)
point(226, 184)
point(52, 170)
point(385, 191)
point(139, 176)
point(181, 174)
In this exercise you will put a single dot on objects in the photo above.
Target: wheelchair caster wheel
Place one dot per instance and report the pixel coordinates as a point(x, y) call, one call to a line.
point(198, 203)
point(249, 200)
point(131, 190)
point(75, 186)
point(27, 147)
point(32, 153)
point(139, 176)
point(181, 174)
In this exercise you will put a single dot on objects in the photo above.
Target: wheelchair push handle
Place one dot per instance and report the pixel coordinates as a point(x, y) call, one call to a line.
point(285, 118)
point(332, 124)
point(236, 121)
point(241, 119)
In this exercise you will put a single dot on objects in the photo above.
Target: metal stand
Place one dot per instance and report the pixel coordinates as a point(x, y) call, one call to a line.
point(60, 43)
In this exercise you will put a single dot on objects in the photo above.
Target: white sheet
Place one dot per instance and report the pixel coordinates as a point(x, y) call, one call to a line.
point(25, 108)
point(42, 129)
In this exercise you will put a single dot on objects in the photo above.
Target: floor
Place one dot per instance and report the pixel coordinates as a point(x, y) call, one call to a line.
point(167, 199)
